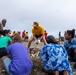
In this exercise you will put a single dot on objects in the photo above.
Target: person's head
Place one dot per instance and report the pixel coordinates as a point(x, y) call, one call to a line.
point(14, 32)
point(6, 32)
point(17, 38)
point(19, 32)
point(35, 24)
point(45, 31)
point(69, 34)
point(51, 39)
point(26, 32)
point(4, 22)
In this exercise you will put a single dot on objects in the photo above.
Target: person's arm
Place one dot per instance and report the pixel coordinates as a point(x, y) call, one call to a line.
point(73, 45)
point(9, 56)
point(44, 40)
point(9, 41)
point(29, 54)
point(41, 37)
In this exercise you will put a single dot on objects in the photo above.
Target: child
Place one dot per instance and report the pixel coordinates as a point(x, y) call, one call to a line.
point(5, 40)
point(20, 64)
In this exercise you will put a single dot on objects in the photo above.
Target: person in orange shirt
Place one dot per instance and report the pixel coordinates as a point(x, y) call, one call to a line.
point(37, 31)
point(26, 37)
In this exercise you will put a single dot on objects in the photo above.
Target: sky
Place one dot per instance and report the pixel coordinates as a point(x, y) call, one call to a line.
point(53, 15)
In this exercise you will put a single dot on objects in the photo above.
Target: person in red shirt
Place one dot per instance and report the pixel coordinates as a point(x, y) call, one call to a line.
point(46, 34)
point(23, 34)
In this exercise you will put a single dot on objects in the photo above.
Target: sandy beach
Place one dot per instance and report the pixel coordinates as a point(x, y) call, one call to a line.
point(37, 67)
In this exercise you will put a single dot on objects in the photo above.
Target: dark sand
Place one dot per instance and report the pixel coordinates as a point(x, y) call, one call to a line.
point(37, 68)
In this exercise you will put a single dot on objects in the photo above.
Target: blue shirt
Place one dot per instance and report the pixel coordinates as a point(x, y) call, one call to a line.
point(21, 63)
point(71, 44)
point(55, 58)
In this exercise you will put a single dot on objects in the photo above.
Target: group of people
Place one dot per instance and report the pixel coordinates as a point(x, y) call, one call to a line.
point(55, 57)
point(14, 55)
point(16, 58)
point(24, 35)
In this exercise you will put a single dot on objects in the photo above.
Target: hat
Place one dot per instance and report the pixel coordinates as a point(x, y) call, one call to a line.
point(35, 24)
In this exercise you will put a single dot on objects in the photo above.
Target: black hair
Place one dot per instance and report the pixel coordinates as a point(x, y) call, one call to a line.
point(71, 32)
point(1, 31)
point(4, 32)
point(51, 39)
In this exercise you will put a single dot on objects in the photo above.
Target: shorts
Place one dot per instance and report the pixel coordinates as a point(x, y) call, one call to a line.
point(3, 52)
point(38, 36)
point(6, 62)
point(26, 38)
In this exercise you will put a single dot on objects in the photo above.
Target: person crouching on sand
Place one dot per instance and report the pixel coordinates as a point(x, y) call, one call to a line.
point(38, 33)
point(55, 57)
point(20, 63)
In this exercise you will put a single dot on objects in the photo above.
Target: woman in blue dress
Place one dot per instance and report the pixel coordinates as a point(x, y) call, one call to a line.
point(54, 57)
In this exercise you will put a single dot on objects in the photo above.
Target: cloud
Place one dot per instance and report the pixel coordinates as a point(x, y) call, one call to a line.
point(53, 15)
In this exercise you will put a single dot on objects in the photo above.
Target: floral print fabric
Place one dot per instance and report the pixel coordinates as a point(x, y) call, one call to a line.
point(55, 57)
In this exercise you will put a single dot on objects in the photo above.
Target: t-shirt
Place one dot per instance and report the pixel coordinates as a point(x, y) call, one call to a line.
point(4, 41)
point(26, 35)
point(38, 31)
point(21, 63)
point(23, 34)
point(72, 43)
point(45, 34)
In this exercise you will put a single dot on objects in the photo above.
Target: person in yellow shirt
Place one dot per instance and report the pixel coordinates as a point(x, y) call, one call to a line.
point(26, 37)
point(37, 31)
